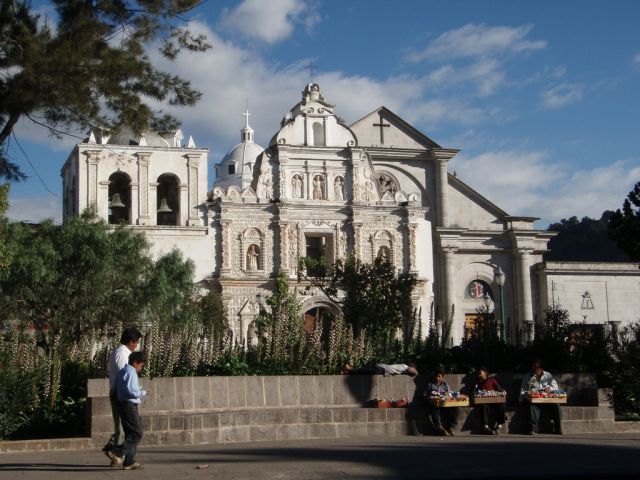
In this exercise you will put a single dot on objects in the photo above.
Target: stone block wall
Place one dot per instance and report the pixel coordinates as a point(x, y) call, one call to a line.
point(193, 410)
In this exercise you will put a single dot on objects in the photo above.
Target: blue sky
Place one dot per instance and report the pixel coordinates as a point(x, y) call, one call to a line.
point(540, 96)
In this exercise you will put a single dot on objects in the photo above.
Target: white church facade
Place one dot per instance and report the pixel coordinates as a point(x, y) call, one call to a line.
point(378, 188)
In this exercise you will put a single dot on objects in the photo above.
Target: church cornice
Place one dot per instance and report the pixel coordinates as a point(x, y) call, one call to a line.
point(391, 153)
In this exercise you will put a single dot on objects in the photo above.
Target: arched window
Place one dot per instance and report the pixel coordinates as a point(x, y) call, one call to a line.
point(168, 200)
point(119, 198)
point(318, 134)
point(478, 289)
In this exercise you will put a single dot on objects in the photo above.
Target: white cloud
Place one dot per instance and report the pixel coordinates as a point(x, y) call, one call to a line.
point(636, 61)
point(562, 95)
point(228, 73)
point(473, 40)
point(35, 209)
point(269, 21)
point(531, 183)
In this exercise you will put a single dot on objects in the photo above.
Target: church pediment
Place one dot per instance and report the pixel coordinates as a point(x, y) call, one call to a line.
point(383, 128)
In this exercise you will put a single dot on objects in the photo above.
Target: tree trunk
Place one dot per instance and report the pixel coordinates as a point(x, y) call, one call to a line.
point(8, 127)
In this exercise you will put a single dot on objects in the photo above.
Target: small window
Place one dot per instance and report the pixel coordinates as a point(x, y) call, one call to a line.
point(318, 134)
point(232, 169)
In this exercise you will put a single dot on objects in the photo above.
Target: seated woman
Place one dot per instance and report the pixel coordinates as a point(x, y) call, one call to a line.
point(492, 414)
point(438, 415)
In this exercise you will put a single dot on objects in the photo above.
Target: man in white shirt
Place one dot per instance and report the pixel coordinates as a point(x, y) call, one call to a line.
point(540, 379)
point(118, 359)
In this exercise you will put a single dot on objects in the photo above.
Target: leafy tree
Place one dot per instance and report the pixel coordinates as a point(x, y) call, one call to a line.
point(91, 69)
point(624, 225)
point(76, 277)
point(373, 297)
point(585, 240)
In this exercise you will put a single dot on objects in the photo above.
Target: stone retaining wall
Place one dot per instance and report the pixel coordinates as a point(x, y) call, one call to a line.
point(192, 410)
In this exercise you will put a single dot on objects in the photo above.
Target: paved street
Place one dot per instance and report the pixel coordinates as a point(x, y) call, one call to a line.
point(568, 457)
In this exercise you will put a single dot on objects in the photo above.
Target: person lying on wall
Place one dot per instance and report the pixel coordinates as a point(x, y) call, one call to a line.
point(382, 369)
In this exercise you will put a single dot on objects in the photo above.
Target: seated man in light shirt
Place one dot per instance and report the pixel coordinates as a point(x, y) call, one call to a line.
point(539, 379)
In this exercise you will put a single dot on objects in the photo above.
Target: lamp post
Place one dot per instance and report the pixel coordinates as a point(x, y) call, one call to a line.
point(499, 278)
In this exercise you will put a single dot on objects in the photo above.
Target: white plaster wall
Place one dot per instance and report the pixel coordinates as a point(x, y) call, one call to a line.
point(466, 213)
point(615, 298)
point(194, 244)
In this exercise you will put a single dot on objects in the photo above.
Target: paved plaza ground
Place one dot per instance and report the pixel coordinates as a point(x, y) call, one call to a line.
point(601, 456)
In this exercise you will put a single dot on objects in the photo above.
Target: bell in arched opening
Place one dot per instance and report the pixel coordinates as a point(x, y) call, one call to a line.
point(164, 206)
point(116, 202)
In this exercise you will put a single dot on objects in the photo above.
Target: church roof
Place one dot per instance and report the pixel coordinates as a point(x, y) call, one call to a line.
point(126, 136)
point(365, 130)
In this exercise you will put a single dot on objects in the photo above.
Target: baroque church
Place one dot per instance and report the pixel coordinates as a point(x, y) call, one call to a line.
point(378, 188)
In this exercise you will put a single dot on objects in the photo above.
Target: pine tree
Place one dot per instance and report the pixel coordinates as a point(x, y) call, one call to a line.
point(90, 68)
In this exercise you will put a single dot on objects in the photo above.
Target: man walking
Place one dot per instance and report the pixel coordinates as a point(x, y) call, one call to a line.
point(118, 359)
point(129, 394)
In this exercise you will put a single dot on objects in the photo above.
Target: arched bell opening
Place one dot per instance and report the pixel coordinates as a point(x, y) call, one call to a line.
point(168, 200)
point(119, 198)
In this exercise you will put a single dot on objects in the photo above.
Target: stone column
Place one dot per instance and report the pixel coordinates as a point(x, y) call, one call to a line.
point(442, 157)
point(144, 159)
point(193, 162)
point(357, 240)
point(525, 312)
point(93, 159)
point(284, 248)
point(412, 227)
point(225, 246)
point(443, 198)
point(449, 293)
point(183, 214)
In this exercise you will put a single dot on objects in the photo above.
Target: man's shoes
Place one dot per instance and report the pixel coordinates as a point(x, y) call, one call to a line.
point(496, 429)
point(450, 431)
point(487, 430)
point(441, 431)
point(115, 460)
point(133, 466)
point(532, 432)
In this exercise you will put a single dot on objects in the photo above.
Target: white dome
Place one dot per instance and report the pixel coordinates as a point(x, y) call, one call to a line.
point(236, 168)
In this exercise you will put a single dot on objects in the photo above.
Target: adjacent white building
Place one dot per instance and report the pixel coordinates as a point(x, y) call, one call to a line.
point(376, 189)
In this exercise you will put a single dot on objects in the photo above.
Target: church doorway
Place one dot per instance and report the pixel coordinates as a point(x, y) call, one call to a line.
point(318, 317)
point(479, 326)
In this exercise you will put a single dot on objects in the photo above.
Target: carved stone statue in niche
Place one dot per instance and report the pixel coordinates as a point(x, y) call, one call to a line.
point(384, 254)
point(253, 252)
point(338, 188)
point(318, 187)
point(296, 183)
point(386, 184)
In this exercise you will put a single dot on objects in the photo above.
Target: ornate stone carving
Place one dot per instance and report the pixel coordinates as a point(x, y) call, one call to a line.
point(386, 183)
point(297, 186)
point(318, 187)
point(338, 188)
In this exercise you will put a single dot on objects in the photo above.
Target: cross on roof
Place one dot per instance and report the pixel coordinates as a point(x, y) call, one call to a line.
point(382, 125)
point(247, 115)
point(312, 67)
